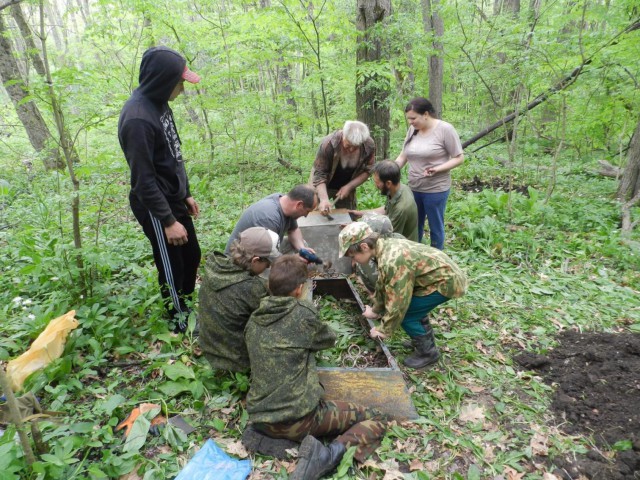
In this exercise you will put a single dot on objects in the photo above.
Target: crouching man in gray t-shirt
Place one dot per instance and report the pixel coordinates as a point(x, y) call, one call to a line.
point(278, 213)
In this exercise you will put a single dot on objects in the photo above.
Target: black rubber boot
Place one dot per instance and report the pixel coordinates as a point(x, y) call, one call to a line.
point(255, 441)
point(426, 324)
point(425, 352)
point(316, 460)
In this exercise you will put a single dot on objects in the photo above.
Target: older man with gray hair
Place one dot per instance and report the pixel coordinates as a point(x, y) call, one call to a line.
point(342, 164)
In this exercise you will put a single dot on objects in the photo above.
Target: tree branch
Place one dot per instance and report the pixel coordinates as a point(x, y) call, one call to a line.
point(561, 85)
point(9, 3)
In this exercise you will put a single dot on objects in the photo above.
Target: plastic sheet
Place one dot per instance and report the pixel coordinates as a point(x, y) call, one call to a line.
point(212, 463)
point(45, 349)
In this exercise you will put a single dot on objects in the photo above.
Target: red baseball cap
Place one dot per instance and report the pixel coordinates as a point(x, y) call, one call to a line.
point(189, 76)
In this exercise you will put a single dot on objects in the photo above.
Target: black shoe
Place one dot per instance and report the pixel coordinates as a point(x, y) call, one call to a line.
point(180, 326)
point(181, 321)
point(426, 352)
point(316, 460)
point(255, 441)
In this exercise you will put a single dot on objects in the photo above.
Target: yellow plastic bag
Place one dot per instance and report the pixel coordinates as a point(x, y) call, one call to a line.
point(45, 349)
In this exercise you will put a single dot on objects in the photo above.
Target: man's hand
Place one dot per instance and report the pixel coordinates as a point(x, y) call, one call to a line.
point(192, 207)
point(355, 213)
point(375, 333)
point(324, 207)
point(343, 193)
point(176, 234)
point(370, 314)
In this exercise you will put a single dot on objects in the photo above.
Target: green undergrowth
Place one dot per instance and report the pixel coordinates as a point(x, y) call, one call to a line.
point(536, 267)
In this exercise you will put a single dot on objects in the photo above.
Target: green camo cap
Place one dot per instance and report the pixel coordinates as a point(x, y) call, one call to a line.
point(352, 234)
point(378, 223)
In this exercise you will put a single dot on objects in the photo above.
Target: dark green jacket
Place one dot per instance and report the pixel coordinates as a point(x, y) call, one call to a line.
point(282, 337)
point(228, 295)
point(403, 213)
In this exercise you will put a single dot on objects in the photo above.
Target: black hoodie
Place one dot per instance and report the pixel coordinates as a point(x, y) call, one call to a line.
point(150, 141)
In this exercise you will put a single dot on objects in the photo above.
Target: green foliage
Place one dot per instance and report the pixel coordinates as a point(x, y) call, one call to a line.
point(536, 264)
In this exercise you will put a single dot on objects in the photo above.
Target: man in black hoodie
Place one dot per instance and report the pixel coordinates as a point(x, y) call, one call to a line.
point(159, 196)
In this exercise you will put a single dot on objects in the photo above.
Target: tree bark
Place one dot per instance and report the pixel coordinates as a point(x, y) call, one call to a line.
point(56, 22)
point(25, 30)
point(28, 112)
point(70, 154)
point(372, 89)
point(434, 26)
point(8, 3)
point(608, 170)
point(14, 413)
point(629, 186)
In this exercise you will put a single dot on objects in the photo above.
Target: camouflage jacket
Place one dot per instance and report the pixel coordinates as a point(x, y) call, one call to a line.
point(228, 295)
point(282, 337)
point(407, 269)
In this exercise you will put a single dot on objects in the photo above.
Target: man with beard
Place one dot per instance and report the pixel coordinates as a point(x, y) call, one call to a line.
point(400, 207)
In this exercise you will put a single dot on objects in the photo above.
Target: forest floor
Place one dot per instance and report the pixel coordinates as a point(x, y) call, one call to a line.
point(538, 375)
point(597, 392)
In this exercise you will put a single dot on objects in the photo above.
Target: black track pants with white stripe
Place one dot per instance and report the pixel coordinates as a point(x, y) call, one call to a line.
point(177, 266)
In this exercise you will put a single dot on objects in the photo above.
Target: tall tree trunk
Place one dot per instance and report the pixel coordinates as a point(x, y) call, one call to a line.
point(68, 149)
point(434, 26)
point(33, 52)
point(80, 7)
point(510, 6)
point(372, 90)
point(629, 186)
point(27, 110)
point(55, 25)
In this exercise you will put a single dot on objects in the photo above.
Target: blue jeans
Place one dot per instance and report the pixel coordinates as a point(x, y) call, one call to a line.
point(432, 205)
point(418, 309)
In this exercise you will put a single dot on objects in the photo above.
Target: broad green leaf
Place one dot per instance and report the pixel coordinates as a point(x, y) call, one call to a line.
point(139, 430)
point(111, 403)
point(473, 473)
point(53, 459)
point(623, 445)
point(346, 462)
point(173, 435)
point(171, 389)
point(82, 427)
point(219, 424)
point(178, 370)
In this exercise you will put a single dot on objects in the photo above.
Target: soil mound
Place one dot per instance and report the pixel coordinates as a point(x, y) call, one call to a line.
point(598, 393)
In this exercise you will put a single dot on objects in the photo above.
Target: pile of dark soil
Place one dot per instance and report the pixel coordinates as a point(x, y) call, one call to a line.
point(598, 393)
point(477, 185)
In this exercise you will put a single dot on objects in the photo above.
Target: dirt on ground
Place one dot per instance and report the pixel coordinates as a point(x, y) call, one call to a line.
point(597, 380)
point(504, 184)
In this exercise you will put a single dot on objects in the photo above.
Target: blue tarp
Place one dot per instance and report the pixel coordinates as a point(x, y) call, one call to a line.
point(212, 463)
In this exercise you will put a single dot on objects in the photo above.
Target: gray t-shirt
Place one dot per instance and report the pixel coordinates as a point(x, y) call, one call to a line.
point(265, 213)
point(435, 148)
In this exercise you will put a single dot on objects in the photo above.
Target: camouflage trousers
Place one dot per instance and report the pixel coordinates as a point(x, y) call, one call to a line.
point(353, 424)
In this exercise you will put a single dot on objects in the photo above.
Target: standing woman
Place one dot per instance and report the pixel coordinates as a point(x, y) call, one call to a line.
point(432, 148)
